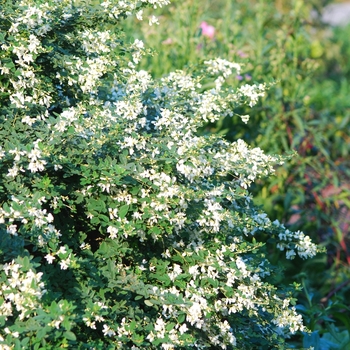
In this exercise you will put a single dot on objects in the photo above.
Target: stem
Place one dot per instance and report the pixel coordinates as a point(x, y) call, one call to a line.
point(335, 290)
point(306, 292)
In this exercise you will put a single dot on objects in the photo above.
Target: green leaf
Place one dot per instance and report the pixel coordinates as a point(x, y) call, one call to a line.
point(69, 335)
point(25, 342)
point(148, 302)
point(95, 220)
point(25, 263)
point(132, 325)
point(156, 230)
point(181, 318)
point(123, 210)
point(118, 169)
point(170, 326)
point(41, 333)
point(6, 208)
point(312, 339)
point(96, 205)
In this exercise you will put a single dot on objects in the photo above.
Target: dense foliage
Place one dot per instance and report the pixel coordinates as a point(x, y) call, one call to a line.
point(121, 226)
point(307, 110)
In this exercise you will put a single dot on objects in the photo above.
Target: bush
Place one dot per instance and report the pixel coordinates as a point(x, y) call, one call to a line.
point(121, 227)
point(307, 110)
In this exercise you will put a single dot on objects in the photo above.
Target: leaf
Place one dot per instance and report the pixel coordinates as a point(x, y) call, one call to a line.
point(69, 335)
point(103, 249)
point(95, 220)
point(25, 263)
point(135, 190)
point(25, 342)
point(312, 339)
point(6, 208)
point(104, 218)
point(148, 303)
point(118, 169)
point(123, 210)
point(123, 157)
point(16, 206)
point(156, 230)
point(96, 205)
point(132, 326)
point(41, 333)
point(181, 318)
point(170, 326)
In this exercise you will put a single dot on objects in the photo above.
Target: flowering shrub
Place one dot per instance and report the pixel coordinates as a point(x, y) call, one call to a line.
point(120, 226)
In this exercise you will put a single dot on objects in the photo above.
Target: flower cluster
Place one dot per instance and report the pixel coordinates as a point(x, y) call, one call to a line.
point(223, 68)
point(131, 228)
point(22, 291)
point(295, 243)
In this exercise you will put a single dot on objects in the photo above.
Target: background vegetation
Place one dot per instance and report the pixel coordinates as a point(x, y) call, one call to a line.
point(306, 110)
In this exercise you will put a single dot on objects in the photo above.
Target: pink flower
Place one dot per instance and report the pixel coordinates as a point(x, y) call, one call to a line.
point(168, 41)
point(241, 54)
point(248, 76)
point(207, 30)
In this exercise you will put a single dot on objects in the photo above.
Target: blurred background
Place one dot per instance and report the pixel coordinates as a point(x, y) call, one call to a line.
point(303, 48)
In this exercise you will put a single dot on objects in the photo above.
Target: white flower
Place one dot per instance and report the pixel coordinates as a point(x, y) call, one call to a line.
point(221, 66)
point(245, 118)
point(62, 250)
point(193, 270)
point(194, 314)
point(13, 172)
point(105, 4)
point(12, 230)
point(183, 328)
point(107, 331)
point(253, 92)
point(153, 20)
point(151, 336)
point(113, 232)
point(176, 271)
point(17, 154)
point(166, 254)
point(50, 258)
point(139, 44)
point(159, 327)
point(290, 254)
point(139, 15)
point(64, 264)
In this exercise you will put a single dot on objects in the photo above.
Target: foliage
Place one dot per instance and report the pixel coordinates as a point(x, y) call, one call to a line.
point(306, 109)
point(121, 226)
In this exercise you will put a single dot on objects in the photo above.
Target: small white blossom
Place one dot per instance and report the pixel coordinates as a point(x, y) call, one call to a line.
point(245, 118)
point(183, 328)
point(64, 264)
point(50, 258)
point(153, 20)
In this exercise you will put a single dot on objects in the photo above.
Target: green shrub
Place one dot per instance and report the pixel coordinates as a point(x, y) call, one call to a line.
point(307, 110)
point(121, 227)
